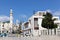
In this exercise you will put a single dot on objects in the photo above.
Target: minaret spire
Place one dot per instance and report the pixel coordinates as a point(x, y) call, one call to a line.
point(11, 18)
point(11, 12)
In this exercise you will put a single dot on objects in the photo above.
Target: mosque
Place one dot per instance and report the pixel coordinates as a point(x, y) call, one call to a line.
point(8, 25)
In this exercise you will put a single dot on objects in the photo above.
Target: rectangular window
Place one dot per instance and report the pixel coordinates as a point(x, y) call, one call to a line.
point(30, 21)
point(26, 25)
point(40, 14)
point(36, 24)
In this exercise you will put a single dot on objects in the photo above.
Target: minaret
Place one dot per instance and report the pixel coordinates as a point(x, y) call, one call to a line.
point(11, 18)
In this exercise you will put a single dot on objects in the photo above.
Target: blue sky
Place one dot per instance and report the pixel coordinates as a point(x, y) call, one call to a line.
point(24, 8)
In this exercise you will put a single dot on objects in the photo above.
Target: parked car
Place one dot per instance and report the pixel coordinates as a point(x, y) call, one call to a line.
point(3, 34)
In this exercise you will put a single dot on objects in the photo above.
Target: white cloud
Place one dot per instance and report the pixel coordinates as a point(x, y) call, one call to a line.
point(57, 13)
point(49, 10)
point(54, 12)
point(23, 16)
point(4, 18)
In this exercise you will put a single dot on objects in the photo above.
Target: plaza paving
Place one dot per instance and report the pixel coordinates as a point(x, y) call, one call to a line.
point(43, 37)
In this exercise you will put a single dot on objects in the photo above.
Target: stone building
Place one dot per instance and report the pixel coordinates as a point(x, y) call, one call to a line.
point(33, 25)
point(7, 25)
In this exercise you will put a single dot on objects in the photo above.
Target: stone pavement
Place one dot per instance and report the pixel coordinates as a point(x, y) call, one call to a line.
point(43, 37)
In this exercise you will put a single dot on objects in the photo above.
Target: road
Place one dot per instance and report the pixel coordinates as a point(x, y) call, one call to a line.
point(46, 37)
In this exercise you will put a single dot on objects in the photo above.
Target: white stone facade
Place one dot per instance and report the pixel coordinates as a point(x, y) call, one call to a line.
point(34, 24)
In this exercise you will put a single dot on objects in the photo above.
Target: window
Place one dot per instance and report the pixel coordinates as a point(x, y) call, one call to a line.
point(36, 24)
point(26, 24)
point(36, 28)
point(30, 21)
point(40, 13)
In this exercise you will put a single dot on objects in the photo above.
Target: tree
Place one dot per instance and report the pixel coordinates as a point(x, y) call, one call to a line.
point(20, 25)
point(55, 28)
point(19, 28)
point(48, 22)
